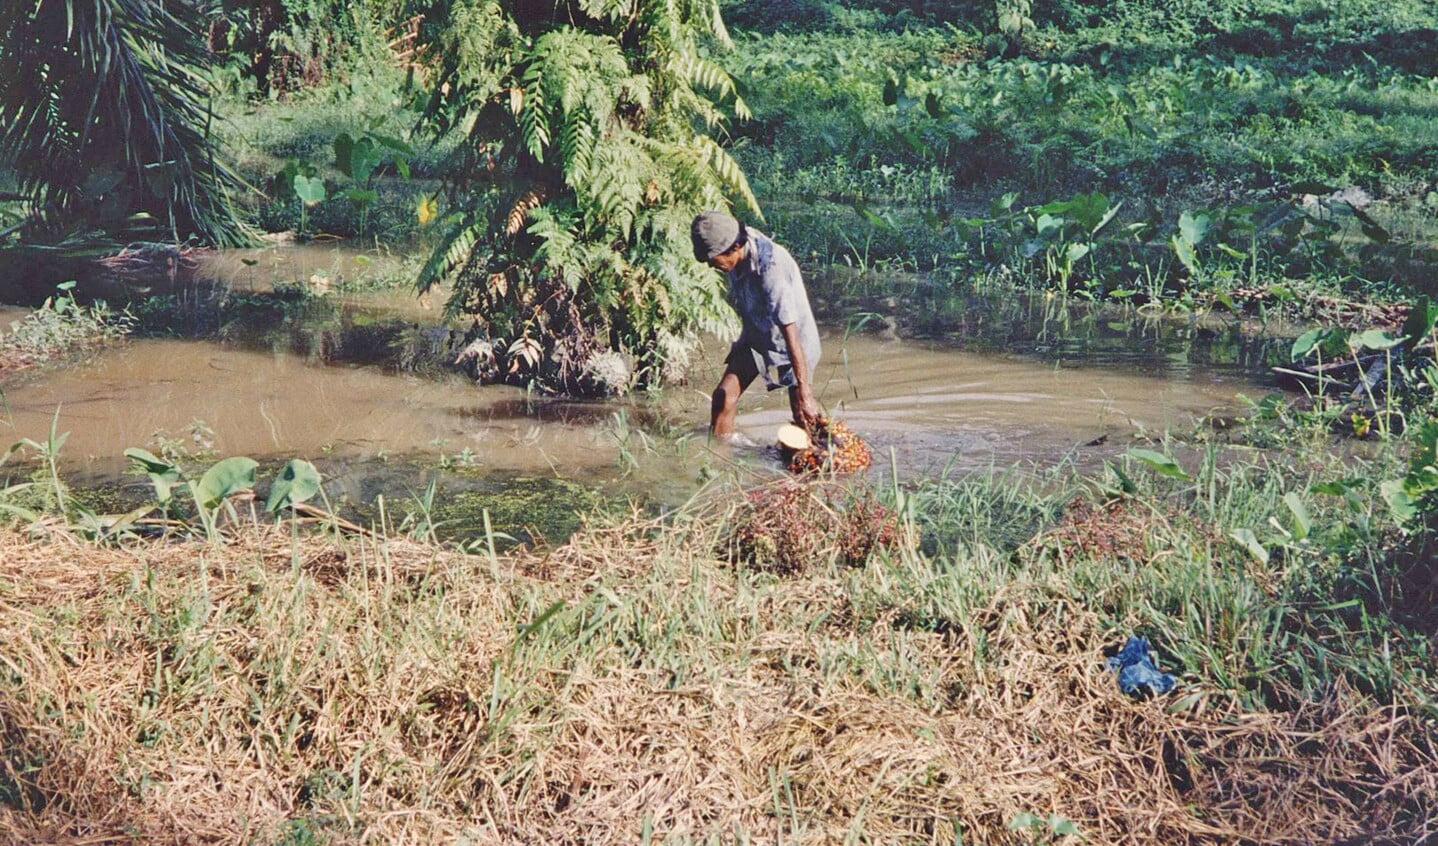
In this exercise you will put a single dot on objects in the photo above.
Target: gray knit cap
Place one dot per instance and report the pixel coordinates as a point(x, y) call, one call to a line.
point(714, 233)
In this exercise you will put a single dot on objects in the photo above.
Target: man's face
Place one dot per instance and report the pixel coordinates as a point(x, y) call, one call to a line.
point(729, 259)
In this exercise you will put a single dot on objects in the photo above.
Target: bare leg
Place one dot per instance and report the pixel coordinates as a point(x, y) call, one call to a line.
point(739, 372)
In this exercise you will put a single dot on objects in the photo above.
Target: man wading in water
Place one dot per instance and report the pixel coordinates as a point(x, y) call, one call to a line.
point(779, 337)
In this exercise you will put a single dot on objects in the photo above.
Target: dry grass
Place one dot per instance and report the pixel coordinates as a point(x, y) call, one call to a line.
point(628, 684)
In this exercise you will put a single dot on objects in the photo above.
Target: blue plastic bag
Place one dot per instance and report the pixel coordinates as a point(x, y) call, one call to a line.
point(1137, 673)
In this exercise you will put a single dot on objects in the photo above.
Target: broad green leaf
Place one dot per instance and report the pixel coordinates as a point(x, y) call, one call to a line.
point(1024, 821)
point(1075, 252)
point(1373, 339)
point(297, 482)
point(1249, 541)
point(1108, 216)
point(1160, 463)
point(147, 461)
point(310, 189)
point(164, 476)
point(1186, 255)
point(229, 476)
point(1403, 507)
point(1193, 227)
point(1302, 522)
point(1304, 344)
point(1062, 827)
point(1047, 223)
point(344, 150)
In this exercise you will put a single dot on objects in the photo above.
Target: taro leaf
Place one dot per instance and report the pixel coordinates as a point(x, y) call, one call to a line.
point(1249, 541)
point(227, 477)
point(1373, 339)
point(1185, 253)
point(1305, 344)
point(1089, 211)
point(1005, 202)
point(285, 178)
point(1107, 217)
point(1193, 227)
point(364, 158)
point(1403, 506)
point(163, 474)
point(310, 189)
point(1329, 342)
point(344, 152)
point(297, 482)
point(1057, 207)
point(1421, 318)
point(1160, 463)
point(1047, 223)
point(1302, 521)
point(1076, 252)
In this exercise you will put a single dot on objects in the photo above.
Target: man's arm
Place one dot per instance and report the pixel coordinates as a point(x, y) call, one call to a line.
point(805, 407)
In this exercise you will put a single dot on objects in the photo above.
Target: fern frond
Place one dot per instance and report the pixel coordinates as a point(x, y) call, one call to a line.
point(706, 74)
point(577, 150)
point(533, 114)
point(728, 171)
point(451, 252)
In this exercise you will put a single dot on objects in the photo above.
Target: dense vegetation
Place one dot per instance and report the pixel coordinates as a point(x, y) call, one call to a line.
point(915, 661)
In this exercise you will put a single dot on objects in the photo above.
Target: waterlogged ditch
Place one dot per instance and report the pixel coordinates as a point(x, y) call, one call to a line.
point(300, 352)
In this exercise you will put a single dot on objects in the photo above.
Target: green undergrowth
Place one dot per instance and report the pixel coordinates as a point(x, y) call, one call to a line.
point(60, 327)
point(1149, 166)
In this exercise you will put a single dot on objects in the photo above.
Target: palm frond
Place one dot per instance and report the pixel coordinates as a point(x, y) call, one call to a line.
point(102, 117)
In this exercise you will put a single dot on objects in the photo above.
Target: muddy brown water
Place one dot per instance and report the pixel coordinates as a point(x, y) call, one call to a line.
point(340, 396)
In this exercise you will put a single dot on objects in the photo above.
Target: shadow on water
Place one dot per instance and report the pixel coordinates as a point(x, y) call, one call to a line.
point(304, 352)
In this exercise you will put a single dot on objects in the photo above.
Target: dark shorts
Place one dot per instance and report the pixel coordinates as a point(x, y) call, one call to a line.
point(747, 362)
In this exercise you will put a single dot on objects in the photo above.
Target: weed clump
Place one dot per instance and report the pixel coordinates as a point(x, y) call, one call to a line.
point(794, 527)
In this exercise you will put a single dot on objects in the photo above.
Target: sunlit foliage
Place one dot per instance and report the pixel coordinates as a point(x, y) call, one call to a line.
point(589, 150)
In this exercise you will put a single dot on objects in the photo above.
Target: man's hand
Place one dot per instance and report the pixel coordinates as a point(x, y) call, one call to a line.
point(806, 409)
point(801, 396)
